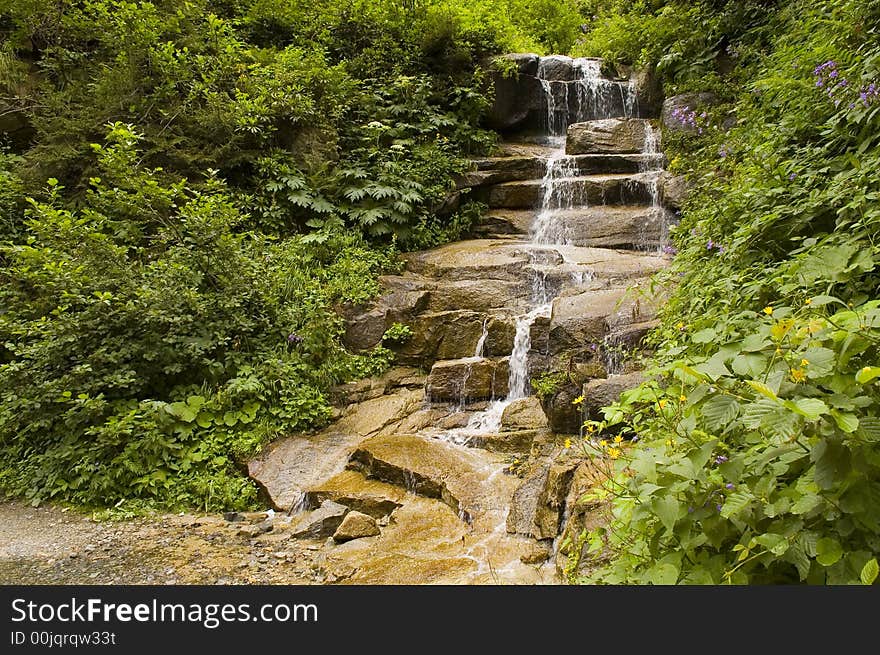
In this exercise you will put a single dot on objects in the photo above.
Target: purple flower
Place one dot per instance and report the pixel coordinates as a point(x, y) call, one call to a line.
point(710, 244)
point(670, 250)
point(720, 459)
point(718, 507)
point(792, 176)
point(294, 339)
point(729, 485)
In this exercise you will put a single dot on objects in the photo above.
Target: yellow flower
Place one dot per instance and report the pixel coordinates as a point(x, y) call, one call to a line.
point(578, 400)
point(804, 362)
point(613, 453)
point(662, 403)
point(798, 375)
point(779, 351)
point(670, 442)
point(683, 398)
point(808, 301)
point(618, 439)
point(591, 427)
point(568, 443)
point(768, 310)
point(680, 325)
point(603, 443)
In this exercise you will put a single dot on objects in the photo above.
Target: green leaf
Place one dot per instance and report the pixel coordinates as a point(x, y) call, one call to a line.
point(775, 543)
point(704, 336)
point(667, 510)
point(714, 367)
point(867, 374)
point(869, 571)
point(805, 504)
point(664, 573)
point(719, 411)
point(182, 411)
point(811, 408)
point(828, 551)
point(735, 503)
point(821, 362)
point(847, 422)
point(869, 428)
point(762, 389)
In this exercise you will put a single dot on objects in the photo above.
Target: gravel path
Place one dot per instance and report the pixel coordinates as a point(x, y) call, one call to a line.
point(54, 545)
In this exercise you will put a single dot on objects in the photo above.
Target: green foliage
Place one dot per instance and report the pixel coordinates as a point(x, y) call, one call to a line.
point(398, 333)
point(757, 458)
point(546, 384)
point(149, 347)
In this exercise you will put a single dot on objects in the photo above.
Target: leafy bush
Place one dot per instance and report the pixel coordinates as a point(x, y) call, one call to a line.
point(756, 458)
point(148, 346)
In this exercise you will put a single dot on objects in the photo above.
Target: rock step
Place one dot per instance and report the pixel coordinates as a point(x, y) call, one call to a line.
point(610, 189)
point(355, 491)
point(633, 227)
point(497, 170)
point(611, 135)
point(467, 379)
point(460, 477)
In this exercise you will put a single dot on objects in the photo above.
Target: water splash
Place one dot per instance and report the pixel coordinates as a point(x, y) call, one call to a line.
point(481, 342)
point(650, 169)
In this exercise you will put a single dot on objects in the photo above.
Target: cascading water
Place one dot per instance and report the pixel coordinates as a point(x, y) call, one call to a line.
point(588, 96)
point(650, 168)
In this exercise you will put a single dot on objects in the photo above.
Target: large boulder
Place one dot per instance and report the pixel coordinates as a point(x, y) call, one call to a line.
point(523, 414)
point(578, 322)
point(538, 503)
point(609, 135)
point(600, 393)
point(556, 68)
point(518, 97)
point(467, 379)
point(673, 190)
point(563, 414)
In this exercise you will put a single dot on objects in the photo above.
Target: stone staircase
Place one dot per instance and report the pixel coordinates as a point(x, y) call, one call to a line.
point(402, 450)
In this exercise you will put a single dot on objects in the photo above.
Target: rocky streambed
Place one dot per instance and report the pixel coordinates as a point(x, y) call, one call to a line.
point(448, 469)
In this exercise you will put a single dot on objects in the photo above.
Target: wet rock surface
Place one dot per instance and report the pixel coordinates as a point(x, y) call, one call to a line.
point(430, 473)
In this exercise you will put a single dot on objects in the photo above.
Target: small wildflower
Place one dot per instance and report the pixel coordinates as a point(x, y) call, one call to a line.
point(578, 400)
point(720, 459)
point(729, 485)
point(768, 310)
point(680, 326)
point(718, 507)
point(567, 444)
point(613, 453)
point(662, 403)
point(591, 428)
point(603, 443)
point(808, 301)
point(670, 442)
point(792, 176)
point(805, 362)
point(618, 439)
point(682, 398)
point(798, 375)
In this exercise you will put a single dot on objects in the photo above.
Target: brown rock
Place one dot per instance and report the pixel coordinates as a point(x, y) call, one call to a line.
point(600, 393)
point(523, 414)
point(610, 135)
point(467, 379)
point(356, 525)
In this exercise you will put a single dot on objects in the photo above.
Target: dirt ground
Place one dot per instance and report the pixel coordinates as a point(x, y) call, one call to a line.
point(55, 545)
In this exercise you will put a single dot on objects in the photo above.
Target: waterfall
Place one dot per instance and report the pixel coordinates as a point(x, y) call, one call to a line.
point(588, 96)
point(481, 342)
point(650, 169)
